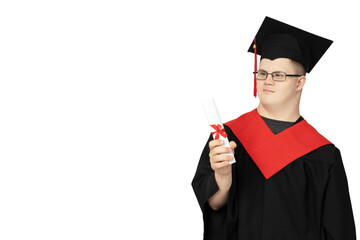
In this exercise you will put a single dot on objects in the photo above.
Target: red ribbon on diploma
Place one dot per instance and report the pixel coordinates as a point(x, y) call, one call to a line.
point(219, 131)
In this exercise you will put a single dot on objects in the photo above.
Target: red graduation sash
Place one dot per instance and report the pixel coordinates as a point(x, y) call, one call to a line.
point(271, 152)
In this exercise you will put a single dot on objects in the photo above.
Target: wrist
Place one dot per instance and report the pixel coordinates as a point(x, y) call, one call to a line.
point(223, 181)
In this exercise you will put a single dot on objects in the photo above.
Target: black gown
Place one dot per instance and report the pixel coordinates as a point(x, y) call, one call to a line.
point(306, 200)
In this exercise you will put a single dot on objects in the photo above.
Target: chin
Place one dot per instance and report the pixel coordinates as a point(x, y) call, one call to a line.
point(269, 100)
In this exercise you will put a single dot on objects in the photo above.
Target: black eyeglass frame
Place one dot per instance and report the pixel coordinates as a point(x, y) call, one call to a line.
point(272, 76)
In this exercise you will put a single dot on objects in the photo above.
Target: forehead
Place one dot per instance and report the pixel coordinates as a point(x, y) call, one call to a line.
point(278, 64)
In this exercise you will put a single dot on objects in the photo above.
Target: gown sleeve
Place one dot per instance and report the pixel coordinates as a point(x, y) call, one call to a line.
point(337, 219)
point(204, 183)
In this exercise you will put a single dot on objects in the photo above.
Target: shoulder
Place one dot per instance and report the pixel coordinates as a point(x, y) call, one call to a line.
point(231, 135)
point(229, 132)
point(326, 154)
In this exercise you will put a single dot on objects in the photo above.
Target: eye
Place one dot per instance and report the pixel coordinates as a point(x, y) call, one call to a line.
point(278, 75)
point(262, 74)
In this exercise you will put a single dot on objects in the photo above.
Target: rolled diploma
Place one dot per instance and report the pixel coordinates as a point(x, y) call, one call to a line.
point(213, 117)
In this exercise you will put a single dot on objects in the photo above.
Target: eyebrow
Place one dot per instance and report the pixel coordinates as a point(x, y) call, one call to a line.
point(260, 69)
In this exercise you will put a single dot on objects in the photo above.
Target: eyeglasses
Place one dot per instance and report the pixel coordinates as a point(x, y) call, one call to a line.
point(276, 76)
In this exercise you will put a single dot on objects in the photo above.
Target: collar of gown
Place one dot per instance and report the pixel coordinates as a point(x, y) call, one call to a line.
point(271, 152)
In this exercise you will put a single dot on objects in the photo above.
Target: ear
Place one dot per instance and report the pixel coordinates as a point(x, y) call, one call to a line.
point(300, 83)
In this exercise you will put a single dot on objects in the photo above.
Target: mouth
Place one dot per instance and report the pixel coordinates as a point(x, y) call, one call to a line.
point(267, 90)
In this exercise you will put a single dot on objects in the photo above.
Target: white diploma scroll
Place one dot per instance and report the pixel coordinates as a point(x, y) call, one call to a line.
point(216, 126)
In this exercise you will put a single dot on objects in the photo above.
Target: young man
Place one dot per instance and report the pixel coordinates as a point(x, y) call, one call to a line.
point(288, 182)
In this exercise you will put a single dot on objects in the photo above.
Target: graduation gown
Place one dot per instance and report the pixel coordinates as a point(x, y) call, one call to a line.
point(288, 186)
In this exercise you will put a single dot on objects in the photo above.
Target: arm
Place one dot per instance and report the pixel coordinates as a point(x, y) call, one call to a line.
point(219, 199)
point(213, 179)
point(338, 219)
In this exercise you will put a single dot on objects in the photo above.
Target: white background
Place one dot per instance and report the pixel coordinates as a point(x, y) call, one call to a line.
point(101, 124)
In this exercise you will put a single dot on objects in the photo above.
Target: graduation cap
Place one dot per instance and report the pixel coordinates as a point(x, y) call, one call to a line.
point(276, 39)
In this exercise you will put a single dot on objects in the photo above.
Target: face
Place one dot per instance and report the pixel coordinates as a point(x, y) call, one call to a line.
point(279, 94)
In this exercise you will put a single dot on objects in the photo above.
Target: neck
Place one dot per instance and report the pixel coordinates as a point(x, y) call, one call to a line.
point(282, 114)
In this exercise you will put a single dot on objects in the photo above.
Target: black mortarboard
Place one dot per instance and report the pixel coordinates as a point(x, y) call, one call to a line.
point(276, 39)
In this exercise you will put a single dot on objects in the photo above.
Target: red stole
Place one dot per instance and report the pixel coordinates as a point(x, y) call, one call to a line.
point(271, 152)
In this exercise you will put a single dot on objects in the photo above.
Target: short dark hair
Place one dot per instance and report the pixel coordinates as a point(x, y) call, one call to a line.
point(299, 67)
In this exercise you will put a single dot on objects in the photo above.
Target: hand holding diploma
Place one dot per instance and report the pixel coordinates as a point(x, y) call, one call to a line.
point(221, 157)
point(221, 151)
